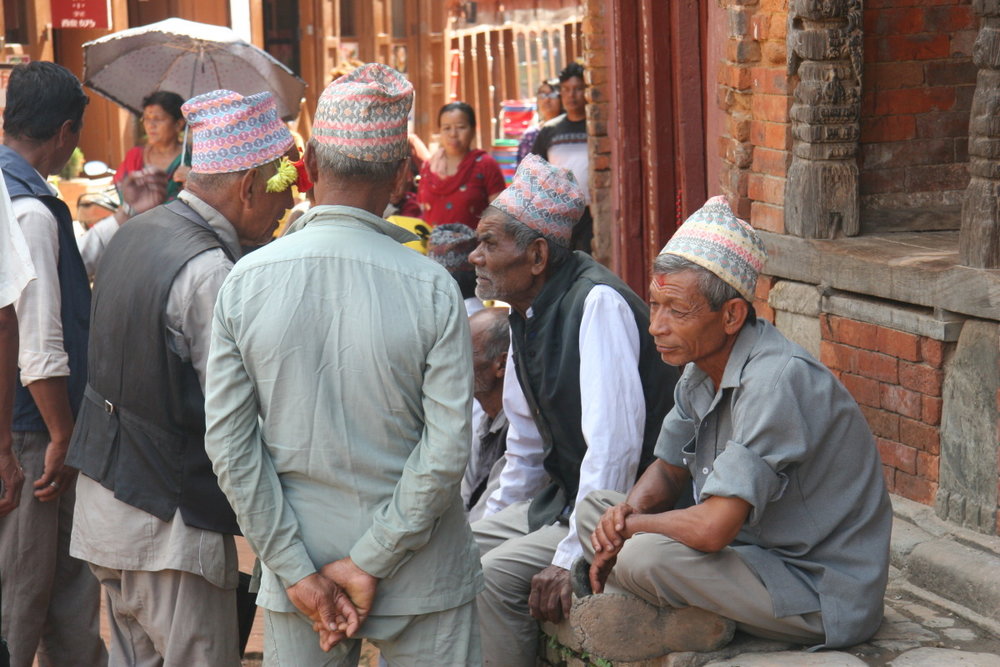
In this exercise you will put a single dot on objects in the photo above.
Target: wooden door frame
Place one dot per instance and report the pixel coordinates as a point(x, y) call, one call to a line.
point(657, 145)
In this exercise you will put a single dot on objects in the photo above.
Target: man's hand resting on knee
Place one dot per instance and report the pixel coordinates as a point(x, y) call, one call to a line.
point(551, 594)
point(608, 539)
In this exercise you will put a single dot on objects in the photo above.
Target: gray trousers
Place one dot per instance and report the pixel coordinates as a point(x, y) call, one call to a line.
point(51, 601)
point(169, 618)
point(665, 573)
point(511, 556)
point(448, 638)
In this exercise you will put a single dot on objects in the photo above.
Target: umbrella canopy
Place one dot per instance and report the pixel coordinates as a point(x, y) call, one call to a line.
point(187, 58)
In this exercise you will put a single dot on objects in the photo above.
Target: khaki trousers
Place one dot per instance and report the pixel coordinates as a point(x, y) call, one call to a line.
point(448, 638)
point(665, 573)
point(169, 618)
point(51, 601)
point(511, 556)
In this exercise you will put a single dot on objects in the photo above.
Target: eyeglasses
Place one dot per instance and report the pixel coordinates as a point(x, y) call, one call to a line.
point(549, 96)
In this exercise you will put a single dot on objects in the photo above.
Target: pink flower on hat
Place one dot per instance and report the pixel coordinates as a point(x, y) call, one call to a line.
point(234, 133)
point(544, 197)
point(364, 114)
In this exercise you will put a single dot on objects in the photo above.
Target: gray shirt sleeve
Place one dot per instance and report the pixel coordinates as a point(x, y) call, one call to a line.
point(190, 305)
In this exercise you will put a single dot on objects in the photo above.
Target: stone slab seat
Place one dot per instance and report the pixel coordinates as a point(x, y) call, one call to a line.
point(625, 628)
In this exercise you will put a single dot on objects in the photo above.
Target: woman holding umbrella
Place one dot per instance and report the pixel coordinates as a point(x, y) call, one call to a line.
point(163, 122)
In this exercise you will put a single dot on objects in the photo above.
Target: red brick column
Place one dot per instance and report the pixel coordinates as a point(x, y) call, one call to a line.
point(896, 378)
point(595, 50)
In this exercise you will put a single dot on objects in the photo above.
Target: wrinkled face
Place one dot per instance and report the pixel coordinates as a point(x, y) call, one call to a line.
point(683, 325)
point(456, 132)
point(160, 126)
point(502, 271)
point(574, 97)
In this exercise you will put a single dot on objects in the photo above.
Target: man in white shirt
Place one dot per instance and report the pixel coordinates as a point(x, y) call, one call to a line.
point(584, 411)
point(16, 271)
point(50, 600)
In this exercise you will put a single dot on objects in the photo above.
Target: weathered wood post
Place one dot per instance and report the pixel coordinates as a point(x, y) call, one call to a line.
point(825, 50)
point(979, 240)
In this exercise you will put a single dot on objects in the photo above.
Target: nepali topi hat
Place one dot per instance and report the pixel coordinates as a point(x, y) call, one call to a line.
point(715, 239)
point(233, 133)
point(364, 114)
point(545, 198)
point(450, 246)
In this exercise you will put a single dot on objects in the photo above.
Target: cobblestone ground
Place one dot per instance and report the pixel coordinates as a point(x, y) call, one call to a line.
point(915, 633)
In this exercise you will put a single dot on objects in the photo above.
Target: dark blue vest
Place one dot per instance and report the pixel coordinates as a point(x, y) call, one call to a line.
point(74, 288)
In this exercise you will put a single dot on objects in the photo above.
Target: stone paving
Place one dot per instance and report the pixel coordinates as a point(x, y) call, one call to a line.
point(915, 633)
point(920, 629)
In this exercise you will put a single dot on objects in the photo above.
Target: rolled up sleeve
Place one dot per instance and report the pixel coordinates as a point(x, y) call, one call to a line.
point(39, 309)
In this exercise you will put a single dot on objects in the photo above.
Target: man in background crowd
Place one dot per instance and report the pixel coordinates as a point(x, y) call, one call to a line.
point(490, 342)
point(562, 141)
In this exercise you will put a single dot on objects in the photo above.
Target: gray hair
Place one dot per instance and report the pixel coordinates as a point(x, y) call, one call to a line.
point(523, 235)
point(221, 182)
point(497, 334)
point(715, 290)
point(331, 161)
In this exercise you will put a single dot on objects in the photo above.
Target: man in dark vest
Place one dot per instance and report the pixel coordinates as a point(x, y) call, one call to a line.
point(590, 395)
point(50, 600)
point(151, 520)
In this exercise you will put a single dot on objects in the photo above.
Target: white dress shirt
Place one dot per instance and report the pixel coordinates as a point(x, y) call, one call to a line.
point(613, 408)
point(39, 309)
point(16, 269)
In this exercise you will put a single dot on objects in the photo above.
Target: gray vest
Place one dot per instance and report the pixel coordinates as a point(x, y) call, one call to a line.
point(141, 428)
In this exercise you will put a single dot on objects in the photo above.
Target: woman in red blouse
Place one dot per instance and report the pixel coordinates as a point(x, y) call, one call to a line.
point(459, 181)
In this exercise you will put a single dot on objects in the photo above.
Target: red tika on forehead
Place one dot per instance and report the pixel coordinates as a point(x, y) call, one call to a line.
point(660, 280)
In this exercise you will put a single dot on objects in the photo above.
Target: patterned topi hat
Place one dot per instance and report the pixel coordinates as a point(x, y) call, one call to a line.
point(363, 114)
point(450, 246)
point(715, 239)
point(544, 197)
point(234, 133)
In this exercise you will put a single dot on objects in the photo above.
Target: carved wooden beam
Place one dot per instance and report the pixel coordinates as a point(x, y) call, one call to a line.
point(825, 50)
point(979, 240)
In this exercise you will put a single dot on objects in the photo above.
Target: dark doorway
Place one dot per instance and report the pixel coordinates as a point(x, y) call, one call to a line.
point(281, 32)
point(144, 12)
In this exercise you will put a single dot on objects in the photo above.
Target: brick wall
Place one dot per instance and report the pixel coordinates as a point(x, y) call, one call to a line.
point(595, 53)
point(896, 378)
point(753, 90)
point(918, 85)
